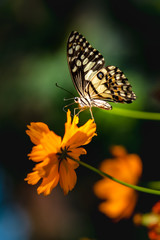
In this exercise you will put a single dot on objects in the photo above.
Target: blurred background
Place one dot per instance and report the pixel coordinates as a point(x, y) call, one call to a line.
point(33, 37)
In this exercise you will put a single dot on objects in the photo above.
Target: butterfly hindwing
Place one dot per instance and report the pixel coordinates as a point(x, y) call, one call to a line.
point(111, 84)
point(84, 61)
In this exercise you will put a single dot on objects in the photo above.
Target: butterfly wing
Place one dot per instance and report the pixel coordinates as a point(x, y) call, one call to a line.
point(111, 84)
point(91, 78)
point(84, 61)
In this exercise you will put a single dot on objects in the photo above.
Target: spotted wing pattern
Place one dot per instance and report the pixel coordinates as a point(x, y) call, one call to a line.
point(111, 84)
point(84, 61)
point(89, 75)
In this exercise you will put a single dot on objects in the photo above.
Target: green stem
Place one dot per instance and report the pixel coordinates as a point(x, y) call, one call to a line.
point(135, 114)
point(138, 188)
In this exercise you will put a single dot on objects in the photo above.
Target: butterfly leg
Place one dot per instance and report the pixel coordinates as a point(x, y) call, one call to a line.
point(67, 106)
point(80, 110)
point(90, 109)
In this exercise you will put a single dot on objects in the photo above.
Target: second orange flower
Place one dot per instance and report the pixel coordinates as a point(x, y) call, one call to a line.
point(119, 200)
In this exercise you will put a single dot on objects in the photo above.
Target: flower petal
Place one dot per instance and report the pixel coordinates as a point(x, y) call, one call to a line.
point(75, 153)
point(53, 160)
point(118, 151)
point(68, 177)
point(90, 128)
point(49, 182)
point(70, 128)
point(51, 142)
point(40, 167)
point(36, 130)
point(38, 153)
point(73, 163)
point(32, 178)
point(82, 136)
point(135, 165)
point(117, 210)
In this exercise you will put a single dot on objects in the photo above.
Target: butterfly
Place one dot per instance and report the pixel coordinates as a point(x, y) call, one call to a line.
point(95, 83)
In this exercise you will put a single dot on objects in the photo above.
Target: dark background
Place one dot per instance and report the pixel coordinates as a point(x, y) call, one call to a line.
point(33, 36)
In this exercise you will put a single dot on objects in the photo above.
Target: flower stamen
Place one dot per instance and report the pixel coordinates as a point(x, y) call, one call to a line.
point(63, 154)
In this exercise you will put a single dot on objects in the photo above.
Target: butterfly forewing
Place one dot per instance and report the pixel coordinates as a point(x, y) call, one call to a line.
point(84, 61)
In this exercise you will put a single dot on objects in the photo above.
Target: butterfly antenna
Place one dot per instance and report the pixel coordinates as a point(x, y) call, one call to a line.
point(66, 99)
point(64, 89)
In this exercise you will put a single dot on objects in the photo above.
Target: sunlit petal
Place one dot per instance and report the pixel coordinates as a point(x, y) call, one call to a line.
point(36, 131)
point(68, 177)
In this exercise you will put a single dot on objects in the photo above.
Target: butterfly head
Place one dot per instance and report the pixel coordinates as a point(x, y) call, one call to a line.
point(76, 99)
point(83, 102)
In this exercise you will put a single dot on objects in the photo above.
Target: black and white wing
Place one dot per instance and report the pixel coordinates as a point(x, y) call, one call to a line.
point(84, 61)
point(91, 78)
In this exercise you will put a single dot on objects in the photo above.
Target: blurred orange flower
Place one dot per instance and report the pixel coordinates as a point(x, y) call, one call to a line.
point(51, 153)
point(119, 200)
point(151, 221)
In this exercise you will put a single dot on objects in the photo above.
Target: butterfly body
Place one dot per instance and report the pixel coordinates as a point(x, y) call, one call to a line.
point(89, 103)
point(95, 83)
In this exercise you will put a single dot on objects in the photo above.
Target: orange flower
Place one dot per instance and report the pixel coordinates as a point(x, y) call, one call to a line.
point(119, 200)
point(51, 153)
point(151, 221)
